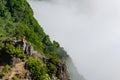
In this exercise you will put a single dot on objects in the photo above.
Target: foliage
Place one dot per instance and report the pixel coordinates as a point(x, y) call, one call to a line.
point(2, 74)
point(36, 68)
point(5, 70)
point(52, 69)
point(46, 77)
point(56, 44)
point(16, 20)
point(52, 66)
point(54, 59)
point(62, 54)
point(15, 78)
point(8, 51)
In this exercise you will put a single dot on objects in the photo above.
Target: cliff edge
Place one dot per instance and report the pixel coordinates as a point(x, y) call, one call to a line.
point(26, 51)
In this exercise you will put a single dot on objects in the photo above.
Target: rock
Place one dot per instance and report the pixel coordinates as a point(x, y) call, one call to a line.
point(14, 61)
point(62, 72)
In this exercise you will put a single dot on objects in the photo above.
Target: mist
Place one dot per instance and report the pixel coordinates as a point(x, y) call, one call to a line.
point(89, 30)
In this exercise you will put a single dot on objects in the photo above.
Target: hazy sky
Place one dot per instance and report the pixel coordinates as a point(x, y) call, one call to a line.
point(88, 29)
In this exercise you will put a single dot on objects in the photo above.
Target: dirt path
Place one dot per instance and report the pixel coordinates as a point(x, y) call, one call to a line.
point(18, 69)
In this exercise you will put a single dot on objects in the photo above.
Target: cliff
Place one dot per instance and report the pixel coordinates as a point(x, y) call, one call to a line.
point(26, 64)
point(19, 31)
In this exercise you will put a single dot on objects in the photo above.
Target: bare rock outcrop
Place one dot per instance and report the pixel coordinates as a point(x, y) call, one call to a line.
point(62, 72)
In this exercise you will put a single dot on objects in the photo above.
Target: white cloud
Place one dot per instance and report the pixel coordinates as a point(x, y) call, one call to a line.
point(89, 30)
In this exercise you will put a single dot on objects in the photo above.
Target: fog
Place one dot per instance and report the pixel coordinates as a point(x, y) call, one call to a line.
point(89, 30)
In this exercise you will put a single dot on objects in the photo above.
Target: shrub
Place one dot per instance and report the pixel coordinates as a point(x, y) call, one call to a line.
point(15, 78)
point(54, 59)
point(2, 74)
point(6, 68)
point(10, 51)
point(36, 68)
point(52, 69)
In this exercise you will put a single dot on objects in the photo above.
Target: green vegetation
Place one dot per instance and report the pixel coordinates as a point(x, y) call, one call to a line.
point(16, 20)
point(52, 69)
point(9, 51)
point(15, 78)
point(5, 70)
point(53, 64)
point(37, 69)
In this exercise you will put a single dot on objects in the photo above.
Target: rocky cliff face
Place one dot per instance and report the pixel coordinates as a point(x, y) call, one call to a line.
point(62, 72)
point(19, 68)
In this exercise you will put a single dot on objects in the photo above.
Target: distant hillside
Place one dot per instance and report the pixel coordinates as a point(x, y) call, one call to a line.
point(74, 74)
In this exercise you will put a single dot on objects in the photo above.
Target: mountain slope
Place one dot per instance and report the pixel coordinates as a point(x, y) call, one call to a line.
point(16, 20)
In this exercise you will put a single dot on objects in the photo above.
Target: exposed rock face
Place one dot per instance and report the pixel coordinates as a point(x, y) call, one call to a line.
point(62, 72)
point(22, 44)
point(14, 61)
point(26, 47)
